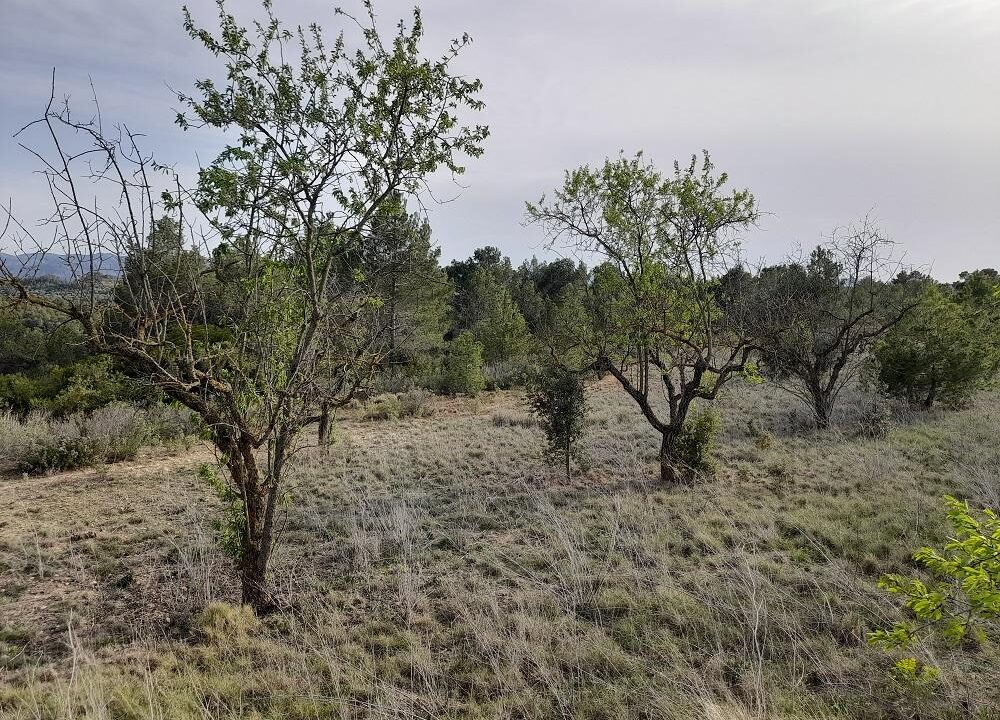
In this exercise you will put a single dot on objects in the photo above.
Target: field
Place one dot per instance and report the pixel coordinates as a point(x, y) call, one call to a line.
point(437, 568)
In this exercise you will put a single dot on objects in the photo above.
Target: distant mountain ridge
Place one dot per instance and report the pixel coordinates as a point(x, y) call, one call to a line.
point(61, 267)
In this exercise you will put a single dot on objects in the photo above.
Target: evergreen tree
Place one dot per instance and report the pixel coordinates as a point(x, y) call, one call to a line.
point(557, 397)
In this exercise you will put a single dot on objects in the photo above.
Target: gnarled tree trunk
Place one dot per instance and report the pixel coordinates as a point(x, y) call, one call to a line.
point(259, 494)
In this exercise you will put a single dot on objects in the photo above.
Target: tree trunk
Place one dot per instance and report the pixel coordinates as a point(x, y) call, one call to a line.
point(931, 393)
point(324, 426)
point(669, 471)
point(259, 496)
point(822, 407)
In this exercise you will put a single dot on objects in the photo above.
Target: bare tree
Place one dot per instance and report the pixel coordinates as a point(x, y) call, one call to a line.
point(819, 316)
point(665, 241)
point(272, 319)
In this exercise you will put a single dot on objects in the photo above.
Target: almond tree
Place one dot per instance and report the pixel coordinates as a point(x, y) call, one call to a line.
point(664, 239)
point(276, 323)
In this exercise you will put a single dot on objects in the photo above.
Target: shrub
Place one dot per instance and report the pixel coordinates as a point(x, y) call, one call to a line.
point(963, 596)
point(463, 366)
point(875, 420)
point(504, 375)
point(696, 440)
point(17, 435)
point(557, 397)
point(120, 430)
point(60, 452)
point(415, 402)
point(169, 422)
point(384, 407)
point(39, 444)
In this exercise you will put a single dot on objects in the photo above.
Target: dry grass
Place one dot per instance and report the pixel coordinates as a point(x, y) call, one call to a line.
point(437, 569)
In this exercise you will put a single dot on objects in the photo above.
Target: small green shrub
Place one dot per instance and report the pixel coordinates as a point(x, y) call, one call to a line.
point(231, 527)
point(415, 402)
point(384, 407)
point(876, 419)
point(463, 366)
point(557, 398)
point(696, 441)
point(56, 454)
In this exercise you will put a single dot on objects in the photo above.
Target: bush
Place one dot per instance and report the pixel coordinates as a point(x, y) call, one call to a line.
point(171, 422)
point(943, 351)
point(557, 397)
point(962, 598)
point(40, 444)
point(59, 453)
point(504, 375)
point(876, 419)
point(696, 440)
point(384, 407)
point(415, 402)
point(463, 366)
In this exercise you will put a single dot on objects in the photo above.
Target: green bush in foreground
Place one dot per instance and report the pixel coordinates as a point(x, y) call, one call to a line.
point(695, 442)
point(962, 600)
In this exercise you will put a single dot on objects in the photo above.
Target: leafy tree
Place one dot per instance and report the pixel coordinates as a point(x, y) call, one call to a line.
point(463, 366)
point(942, 350)
point(963, 599)
point(664, 240)
point(816, 319)
point(557, 397)
point(322, 135)
point(978, 287)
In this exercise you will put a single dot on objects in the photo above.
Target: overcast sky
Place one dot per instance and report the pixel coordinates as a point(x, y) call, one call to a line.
point(827, 109)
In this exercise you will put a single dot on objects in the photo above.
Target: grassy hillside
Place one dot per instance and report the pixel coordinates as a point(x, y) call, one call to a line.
point(435, 568)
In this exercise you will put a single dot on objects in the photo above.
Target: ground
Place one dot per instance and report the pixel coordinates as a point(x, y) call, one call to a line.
point(437, 568)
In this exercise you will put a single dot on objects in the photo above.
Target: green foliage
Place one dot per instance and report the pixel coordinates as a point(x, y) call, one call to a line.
point(556, 395)
point(232, 526)
point(462, 372)
point(384, 407)
point(664, 238)
point(403, 268)
point(963, 596)
point(694, 443)
point(943, 350)
point(495, 319)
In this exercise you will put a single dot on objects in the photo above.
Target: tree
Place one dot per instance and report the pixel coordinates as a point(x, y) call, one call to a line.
point(816, 319)
point(322, 135)
point(495, 320)
point(664, 240)
point(407, 276)
point(557, 397)
point(463, 366)
point(943, 350)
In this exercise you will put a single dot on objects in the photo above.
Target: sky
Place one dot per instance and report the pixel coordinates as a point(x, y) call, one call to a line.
point(828, 110)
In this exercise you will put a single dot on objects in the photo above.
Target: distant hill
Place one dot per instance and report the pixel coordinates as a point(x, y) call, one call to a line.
point(60, 267)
